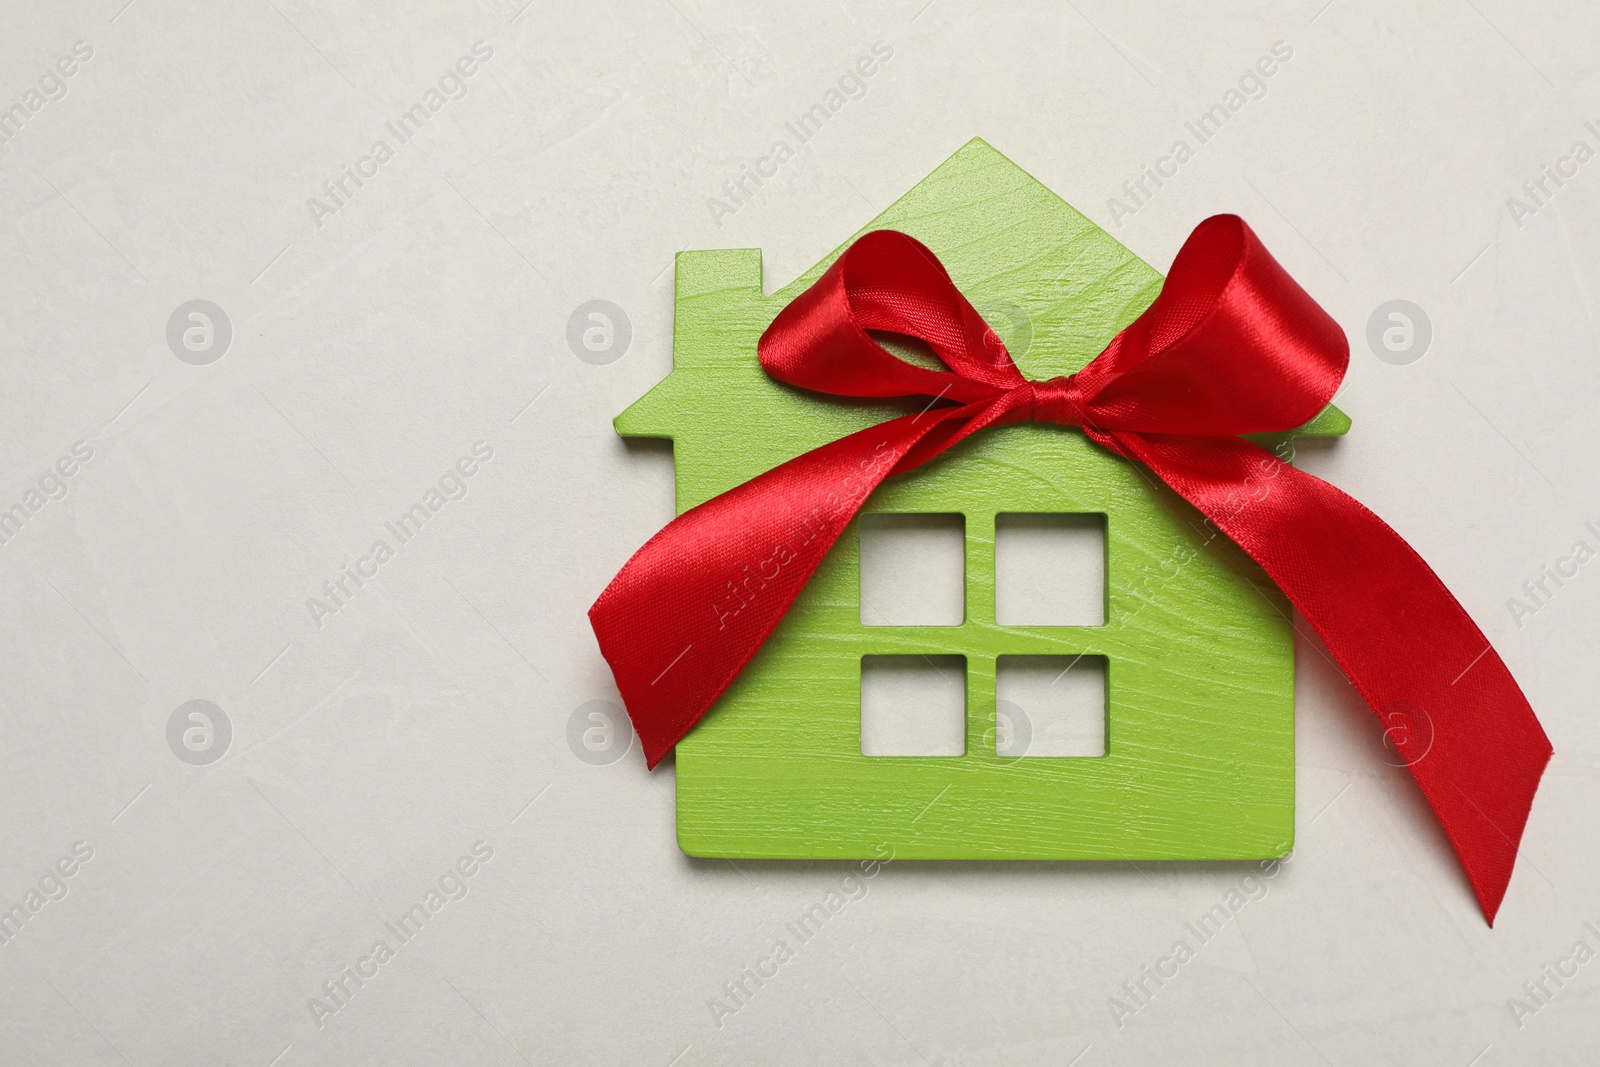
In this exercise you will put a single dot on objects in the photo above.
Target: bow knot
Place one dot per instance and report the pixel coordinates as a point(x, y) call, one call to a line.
point(1057, 400)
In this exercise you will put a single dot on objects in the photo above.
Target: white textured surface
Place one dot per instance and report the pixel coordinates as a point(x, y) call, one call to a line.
point(913, 706)
point(1053, 706)
point(375, 344)
point(913, 570)
point(1050, 570)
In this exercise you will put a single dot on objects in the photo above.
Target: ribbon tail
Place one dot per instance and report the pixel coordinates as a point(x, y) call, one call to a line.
point(1447, 701)
point(688, 611)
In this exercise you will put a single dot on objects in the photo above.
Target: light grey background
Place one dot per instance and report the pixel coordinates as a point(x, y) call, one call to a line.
point(443, 703)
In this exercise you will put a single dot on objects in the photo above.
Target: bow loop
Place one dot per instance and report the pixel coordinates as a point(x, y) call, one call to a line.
point(1232, 345)
point(889, 282)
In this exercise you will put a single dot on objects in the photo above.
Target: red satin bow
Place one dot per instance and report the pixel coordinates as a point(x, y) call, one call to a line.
point(1231, 346)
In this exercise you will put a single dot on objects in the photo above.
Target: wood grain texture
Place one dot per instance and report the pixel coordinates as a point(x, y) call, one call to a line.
point(1198, 642)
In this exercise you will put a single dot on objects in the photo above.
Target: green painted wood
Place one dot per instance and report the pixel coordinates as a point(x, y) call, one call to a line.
point(1198, 643)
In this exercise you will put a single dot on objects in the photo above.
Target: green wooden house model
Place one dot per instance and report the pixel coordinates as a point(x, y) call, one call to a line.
point(1187, 663)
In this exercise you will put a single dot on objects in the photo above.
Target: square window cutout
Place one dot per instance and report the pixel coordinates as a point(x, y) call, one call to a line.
point(1050, 570)
point(913, 570)
point(913, 705)
point(1050, 706)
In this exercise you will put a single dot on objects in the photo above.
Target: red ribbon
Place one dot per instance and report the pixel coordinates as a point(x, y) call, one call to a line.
point(1231, 346)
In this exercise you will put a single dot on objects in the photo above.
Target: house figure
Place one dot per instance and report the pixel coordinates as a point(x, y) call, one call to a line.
point(1133, 702)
